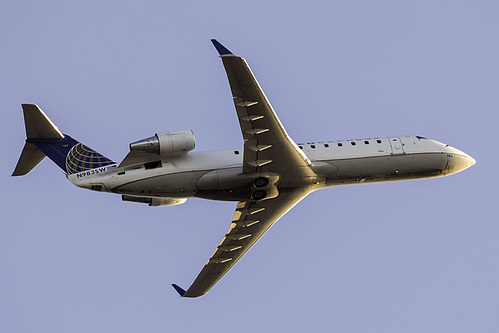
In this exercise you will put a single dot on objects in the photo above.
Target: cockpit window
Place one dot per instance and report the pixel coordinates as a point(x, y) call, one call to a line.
point(420, 137)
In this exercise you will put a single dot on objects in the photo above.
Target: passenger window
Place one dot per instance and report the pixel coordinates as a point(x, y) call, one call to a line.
point(353, 143)
point(312, 146)
point(326, 145)
point(366, 142)
point(301, 147)
point(378, 141)
point(340, 144)
point(236, 152)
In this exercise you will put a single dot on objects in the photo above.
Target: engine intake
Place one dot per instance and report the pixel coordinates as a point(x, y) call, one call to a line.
point(166, 144)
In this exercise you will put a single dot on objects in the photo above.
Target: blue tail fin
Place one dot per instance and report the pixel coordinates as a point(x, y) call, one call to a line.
point(71, 155)
point(45, 139)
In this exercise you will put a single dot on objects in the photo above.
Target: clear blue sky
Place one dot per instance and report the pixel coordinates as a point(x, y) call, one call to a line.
point(415, 256)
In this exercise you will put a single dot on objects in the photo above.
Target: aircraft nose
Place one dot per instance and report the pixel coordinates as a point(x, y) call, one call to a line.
point(459, 161)
point(464, 161)
point(471, 160)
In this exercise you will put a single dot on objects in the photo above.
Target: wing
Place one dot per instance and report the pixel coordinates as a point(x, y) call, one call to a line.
point(251, 220)
point(267, 146)
point(267, 149)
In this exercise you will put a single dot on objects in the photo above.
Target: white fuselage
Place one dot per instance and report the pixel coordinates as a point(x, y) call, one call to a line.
point(218, 174)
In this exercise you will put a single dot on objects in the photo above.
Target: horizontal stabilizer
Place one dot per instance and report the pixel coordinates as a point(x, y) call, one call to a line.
point(180, 291)
point(38, 125)
point(30, 157)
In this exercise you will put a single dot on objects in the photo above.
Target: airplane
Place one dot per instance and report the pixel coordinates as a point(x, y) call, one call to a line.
point(266, 177)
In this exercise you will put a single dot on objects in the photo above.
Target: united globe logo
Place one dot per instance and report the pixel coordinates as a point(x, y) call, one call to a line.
point(82, 158)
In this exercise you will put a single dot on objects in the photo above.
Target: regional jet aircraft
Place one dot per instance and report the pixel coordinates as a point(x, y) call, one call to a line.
point(266, 177)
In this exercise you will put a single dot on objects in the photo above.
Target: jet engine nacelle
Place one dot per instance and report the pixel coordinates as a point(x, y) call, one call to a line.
point(154, 202)
point(166, 144)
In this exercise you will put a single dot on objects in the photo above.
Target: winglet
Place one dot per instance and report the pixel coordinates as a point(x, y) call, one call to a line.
point(222, 50)
point(180, 291)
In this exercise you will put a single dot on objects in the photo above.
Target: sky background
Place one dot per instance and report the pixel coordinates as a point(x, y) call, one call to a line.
point(419, 256)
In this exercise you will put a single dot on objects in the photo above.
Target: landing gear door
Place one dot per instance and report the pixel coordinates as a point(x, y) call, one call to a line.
point(397, 146)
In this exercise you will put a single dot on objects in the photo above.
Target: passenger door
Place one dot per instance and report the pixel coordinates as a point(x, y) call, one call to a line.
point(397, 146)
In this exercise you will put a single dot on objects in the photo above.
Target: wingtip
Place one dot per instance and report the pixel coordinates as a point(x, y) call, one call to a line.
point(222, 50)
point(180, 291)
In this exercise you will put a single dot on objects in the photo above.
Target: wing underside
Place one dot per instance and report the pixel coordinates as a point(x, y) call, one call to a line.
point(267, 146)
point(267, 150)
point(251, 220)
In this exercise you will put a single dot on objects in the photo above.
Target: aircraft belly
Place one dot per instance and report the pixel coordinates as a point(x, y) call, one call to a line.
point(231, 184)
point(387, 168)
point(225, 184)
point(181, 185)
